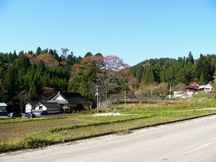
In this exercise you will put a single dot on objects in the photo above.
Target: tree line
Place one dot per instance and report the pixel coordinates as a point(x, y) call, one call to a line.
point(183, 70)
point(39, 75)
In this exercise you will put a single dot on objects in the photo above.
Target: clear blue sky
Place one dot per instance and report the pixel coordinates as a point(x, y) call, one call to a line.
point(134, 30)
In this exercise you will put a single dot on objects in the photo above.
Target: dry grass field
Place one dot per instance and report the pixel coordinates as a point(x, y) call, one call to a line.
point(16, 128)
point(39, 132)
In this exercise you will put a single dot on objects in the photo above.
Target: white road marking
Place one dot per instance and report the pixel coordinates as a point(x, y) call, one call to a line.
point(198, 148)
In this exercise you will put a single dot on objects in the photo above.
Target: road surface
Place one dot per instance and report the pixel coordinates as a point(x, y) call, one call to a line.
point(188, 141)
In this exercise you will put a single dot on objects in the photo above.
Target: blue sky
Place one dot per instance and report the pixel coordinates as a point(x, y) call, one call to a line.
point(134, 30)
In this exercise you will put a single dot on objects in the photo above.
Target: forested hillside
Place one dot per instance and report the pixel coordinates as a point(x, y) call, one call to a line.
point(183, 70)
point(39, 75)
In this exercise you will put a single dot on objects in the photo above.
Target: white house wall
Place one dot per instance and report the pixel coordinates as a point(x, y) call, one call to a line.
point(2, 107)
point(60, 100)
point(28, 108)
point(40, 108)
point(208, 88)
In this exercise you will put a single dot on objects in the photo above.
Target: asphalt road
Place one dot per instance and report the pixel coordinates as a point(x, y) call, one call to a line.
point(188, 141)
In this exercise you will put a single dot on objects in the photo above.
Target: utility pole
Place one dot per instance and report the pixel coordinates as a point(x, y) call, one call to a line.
point(97, 96)
point(151, 93)
point(125, 97)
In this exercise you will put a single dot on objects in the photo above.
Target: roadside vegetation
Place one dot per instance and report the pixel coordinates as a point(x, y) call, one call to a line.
point(21, 133)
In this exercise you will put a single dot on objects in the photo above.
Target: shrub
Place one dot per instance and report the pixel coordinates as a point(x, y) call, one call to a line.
point(4, 147)
point(35, 142)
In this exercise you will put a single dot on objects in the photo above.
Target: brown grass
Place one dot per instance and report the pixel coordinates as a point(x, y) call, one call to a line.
point(20, 129)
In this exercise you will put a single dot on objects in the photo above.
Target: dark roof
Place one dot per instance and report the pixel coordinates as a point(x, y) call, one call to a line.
point(68, 95)
point(191, 87)
point(51, 104)
point(33, 103)
point(78, 100)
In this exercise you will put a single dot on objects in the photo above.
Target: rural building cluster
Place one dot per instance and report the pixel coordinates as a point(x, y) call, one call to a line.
point(72, 102)
point(60, 103)
point(192, 89)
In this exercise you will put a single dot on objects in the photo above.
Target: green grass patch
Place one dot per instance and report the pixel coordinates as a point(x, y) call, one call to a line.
point(105, 121)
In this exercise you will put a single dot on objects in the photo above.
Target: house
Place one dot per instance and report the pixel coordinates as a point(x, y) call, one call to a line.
point(71, 101)
point(61, 102)
point(3, 111)
point(179, 94)
point(192, 88)
point(208, 88)
point(43, 108)
point(205, 88)
point(195, 88)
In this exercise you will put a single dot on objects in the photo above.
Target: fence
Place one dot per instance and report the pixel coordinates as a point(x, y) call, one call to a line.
point(136, 100)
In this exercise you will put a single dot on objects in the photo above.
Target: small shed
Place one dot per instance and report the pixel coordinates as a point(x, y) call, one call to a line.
point(178, 94)
point(208, 88)
point(3, 111)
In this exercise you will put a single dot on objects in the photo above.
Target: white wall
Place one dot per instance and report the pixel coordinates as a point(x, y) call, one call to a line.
point(28, 108)
point(40, 107)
